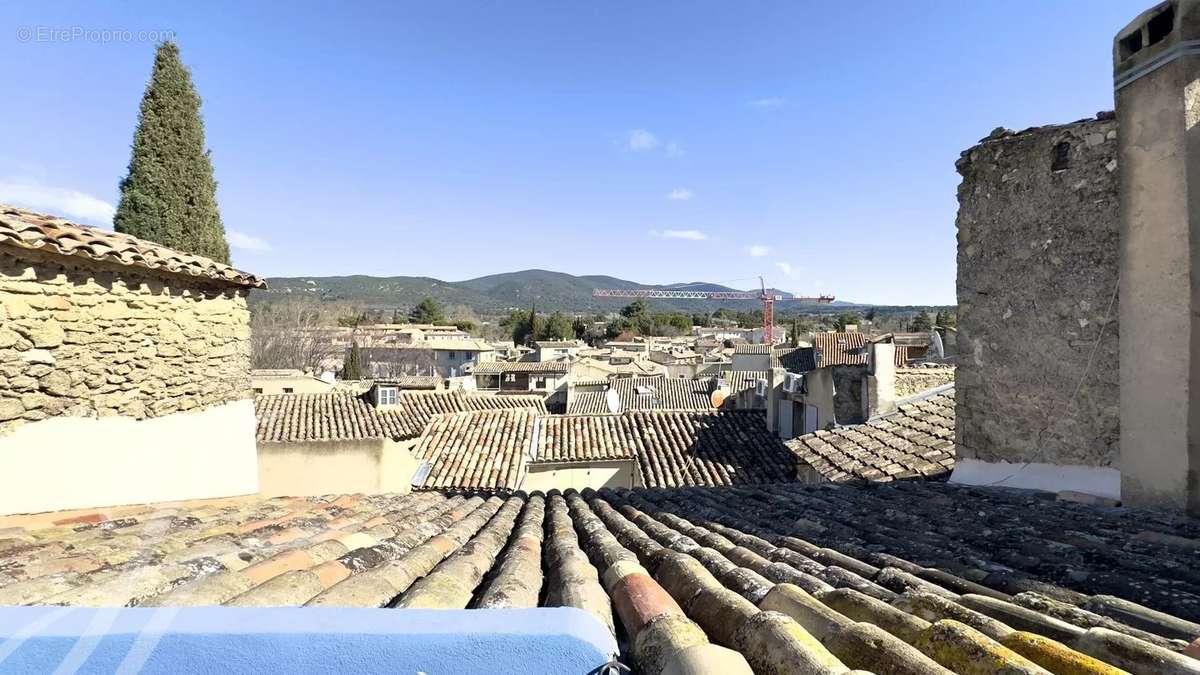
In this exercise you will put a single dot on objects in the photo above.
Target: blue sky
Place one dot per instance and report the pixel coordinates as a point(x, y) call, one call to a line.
point(813, 143)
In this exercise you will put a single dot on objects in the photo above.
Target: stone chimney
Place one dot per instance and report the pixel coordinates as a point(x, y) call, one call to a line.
point(1156, 73)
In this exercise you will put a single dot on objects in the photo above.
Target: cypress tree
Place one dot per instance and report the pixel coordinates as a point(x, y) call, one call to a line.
point(353, 369)
point(169, 195)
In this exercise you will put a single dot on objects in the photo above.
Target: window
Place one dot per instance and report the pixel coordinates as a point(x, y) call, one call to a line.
point(509, 377)
point(288, 390)
point(452, 355)
point(258, 390)
point(387, 396)
point(1160, 26)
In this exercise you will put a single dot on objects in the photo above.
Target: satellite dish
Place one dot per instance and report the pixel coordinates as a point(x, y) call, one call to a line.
point(613, 401)
point(718, 397)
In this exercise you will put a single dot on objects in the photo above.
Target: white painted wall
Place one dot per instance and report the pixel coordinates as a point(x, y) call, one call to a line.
point(72, 462)
point(1092, 480)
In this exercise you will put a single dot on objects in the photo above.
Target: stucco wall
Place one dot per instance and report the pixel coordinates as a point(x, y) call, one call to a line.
point(1037, 268)
point(75, 462)
point(85, 339)
point(910, 381)
point(595, 475)
point(368, 466)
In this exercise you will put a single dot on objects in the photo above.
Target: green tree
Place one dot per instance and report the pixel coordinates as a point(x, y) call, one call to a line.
point(580, 327)
point(557, 327)
point(921, 323)
point(353, 368)
point(634, 309)
point(848, 319)
point(169, 195)
point(517, 325)
point(946, 319)
point(427, 311)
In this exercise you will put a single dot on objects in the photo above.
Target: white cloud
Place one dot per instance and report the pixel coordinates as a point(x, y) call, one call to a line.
point(640, 140)
point(692, 235)
point(675, 150)
point(56, 201)
point(758, 250)
point(246, 242)
point(786, 268)
point(680, 194)
point(768, 102)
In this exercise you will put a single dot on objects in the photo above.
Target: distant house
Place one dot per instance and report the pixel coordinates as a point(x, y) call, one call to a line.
point(311, 444)
point(287, 381)
point(752, 357)
point(550, 350)
point(548, 378)
point(678, 361)
point(444, 357)
point(126, 370)
point(542, 377)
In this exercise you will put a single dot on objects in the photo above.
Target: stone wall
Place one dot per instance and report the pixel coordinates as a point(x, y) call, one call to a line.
point(848, 407)
point(912, 381)
point(87, 339)
point(1037, 274)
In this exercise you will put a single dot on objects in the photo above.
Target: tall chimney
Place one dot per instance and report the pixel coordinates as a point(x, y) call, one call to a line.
point(1156, 72)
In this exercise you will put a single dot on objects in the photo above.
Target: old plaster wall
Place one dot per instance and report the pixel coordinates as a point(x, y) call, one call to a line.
point(1037, 275)
point(368, 466)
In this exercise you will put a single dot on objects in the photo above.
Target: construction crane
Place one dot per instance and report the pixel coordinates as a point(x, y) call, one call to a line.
point(768, 299)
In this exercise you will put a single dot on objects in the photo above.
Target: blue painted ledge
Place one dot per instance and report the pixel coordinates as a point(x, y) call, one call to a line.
point(300, 640)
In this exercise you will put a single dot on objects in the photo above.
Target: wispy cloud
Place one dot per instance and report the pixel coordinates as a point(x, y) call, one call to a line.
point(768, 102)
point(644, 140)
point(786, 268)
point(680, 194)
point(640, 140)
point(246, 242)
point(692, 235)
point(758, 250)
point(58, 201)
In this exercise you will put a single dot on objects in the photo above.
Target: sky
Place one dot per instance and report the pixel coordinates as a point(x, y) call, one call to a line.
point(812, 143)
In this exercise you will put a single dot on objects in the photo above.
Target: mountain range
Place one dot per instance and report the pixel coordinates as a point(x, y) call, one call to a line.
point(498, 293)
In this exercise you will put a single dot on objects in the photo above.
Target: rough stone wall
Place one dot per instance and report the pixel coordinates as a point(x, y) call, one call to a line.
point(1037, 273)
point(85, 339)
point(848, 394)
point(912, 381)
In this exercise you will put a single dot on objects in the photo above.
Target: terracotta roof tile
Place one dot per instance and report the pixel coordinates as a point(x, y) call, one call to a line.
point(336, 416)
point(845, 577)
point(30, 230)
point(849, 349)
point(646, 393)
point(490, 449)
point(917, 441)
point(483, 450)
